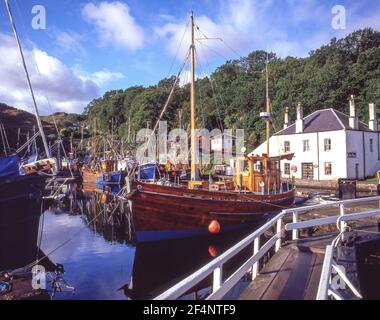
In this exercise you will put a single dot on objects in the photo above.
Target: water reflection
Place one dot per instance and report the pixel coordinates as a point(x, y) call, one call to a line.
point(18, 234)
point(90, 231)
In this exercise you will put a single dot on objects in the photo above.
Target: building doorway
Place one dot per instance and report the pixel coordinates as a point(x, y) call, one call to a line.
point(307, 170)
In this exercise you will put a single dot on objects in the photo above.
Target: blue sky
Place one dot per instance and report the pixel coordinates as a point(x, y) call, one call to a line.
point(89, 47)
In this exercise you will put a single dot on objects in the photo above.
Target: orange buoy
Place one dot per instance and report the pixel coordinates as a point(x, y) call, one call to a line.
point(214, 227)
point(212, 251)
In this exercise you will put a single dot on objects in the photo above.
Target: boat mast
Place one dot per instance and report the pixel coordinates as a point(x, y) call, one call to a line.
point(267, 106)
point(194, 173)
point(47, 150)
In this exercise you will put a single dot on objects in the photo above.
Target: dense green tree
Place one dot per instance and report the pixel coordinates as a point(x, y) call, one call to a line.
point(234, 95)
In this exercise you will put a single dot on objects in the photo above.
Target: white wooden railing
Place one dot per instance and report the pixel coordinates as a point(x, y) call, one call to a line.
point(221, 287)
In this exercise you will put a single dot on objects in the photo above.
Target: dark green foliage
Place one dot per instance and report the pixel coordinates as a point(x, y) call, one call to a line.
point(234, 95)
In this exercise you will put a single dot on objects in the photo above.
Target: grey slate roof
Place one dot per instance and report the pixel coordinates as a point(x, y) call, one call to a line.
point(323, 120)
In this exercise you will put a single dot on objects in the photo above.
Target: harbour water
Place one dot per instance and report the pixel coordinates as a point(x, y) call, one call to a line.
point(91, 235)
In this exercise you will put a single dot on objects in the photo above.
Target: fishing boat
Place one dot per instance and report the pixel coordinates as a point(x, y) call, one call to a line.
point(103, 172)
point(165, 210)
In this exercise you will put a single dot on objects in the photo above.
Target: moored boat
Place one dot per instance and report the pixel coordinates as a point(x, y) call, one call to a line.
point(16, 187)
point(170, 211)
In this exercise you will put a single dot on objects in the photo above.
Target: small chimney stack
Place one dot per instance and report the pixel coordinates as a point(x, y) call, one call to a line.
point(353, 121)
point(299, 121)
point(372, 123)
point(286, 118)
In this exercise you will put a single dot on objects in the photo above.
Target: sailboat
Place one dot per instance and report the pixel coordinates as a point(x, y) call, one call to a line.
point(23, 182)
point(174, 211)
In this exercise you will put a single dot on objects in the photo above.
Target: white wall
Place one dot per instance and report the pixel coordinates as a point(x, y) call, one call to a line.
point(337, 155)
point(355, 142)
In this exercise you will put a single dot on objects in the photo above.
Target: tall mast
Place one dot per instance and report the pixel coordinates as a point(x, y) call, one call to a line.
point(267, 106)
point(194, 173)
point(47, 150)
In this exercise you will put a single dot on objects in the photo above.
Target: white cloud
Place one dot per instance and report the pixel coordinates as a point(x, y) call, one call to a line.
point(114, 24)
point(99, 77)
point(291, 27)
point(65, 90)
point(70, 42)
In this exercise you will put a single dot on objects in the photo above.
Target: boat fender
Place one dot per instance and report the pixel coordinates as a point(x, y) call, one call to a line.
point(139, 187)
point(214, 227)
point(213, 252)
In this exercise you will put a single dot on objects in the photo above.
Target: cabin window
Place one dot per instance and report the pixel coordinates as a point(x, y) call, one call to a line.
point(286, 146)
point(328, 168)
point(286, 168)
point(327, 144)
point(371, 145)
point(257, 166)
point(306, 145)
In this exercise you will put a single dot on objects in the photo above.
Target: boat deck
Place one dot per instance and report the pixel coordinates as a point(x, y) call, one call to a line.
point(293, 273)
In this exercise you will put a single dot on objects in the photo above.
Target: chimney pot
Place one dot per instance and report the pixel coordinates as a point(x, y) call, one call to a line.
point(353, 120)
point(372, 123)
point(286, 118)
point(299, 121)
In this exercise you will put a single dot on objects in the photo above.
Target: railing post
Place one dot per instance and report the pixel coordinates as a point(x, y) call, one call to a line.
point(255, 267)
point(217, 279)
point(295, 231)
point(343, 224)
point(278, 231)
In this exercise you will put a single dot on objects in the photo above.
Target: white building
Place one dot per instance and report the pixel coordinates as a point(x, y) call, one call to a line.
point(221, 142)
point(328, 145)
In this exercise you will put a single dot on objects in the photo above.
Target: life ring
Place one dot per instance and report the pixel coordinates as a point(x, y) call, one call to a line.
point(293, 168)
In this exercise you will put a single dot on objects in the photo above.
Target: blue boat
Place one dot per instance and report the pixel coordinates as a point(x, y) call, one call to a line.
point(17, 186)
point(149, 171)
point(114, 177)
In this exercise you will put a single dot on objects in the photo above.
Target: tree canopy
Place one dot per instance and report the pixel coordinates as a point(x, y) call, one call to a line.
point(234, 94)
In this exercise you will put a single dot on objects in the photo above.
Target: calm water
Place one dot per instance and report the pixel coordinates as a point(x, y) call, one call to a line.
point(91, 235)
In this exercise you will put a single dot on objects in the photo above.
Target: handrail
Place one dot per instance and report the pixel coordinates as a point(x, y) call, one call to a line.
point(326, 205)
point(220, 287)
point(325, 287)
point(331, 220)
point(215, 265)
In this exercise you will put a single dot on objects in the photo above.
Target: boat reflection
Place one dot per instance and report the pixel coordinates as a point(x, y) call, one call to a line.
point(19, 233)
point(159, 265)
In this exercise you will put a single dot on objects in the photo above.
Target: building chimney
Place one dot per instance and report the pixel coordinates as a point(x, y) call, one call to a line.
point(372, 123)
point(299, 121)
point(353, 121)
point(286, 118)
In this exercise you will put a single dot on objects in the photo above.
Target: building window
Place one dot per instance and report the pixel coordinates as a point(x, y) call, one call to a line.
point(286, 168)
point(307, 170)
point(306, 145)
point(286, 146)
point(371, 145)
point(328, 168)
point(328, 144)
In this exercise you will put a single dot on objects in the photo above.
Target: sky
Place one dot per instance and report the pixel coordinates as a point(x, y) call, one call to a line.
point(84, 48)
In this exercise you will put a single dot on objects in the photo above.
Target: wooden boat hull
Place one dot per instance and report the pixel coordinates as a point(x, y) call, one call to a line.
point(161, 212)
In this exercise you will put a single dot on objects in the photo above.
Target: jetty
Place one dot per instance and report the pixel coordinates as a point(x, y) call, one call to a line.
point(290, 260)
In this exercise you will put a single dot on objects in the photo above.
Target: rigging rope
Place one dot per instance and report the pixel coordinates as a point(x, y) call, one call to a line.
point(170, 94)
point(43, 93)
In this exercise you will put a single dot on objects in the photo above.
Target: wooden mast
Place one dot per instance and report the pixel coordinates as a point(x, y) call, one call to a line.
point(47, 150)
point(267, 106)
point(194, 173)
